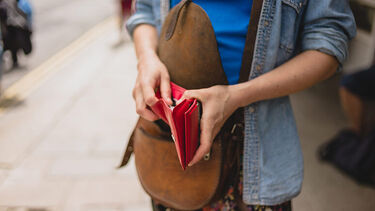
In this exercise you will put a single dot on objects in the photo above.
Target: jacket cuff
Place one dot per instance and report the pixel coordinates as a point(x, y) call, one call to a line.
point(327, 42)
point(136, 20)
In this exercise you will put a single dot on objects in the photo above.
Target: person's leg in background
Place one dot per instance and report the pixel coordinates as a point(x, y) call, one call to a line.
point(353, 109)
point(357, 93)
point(14, 58)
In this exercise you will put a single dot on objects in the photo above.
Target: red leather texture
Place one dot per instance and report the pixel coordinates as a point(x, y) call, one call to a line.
point(183, 119)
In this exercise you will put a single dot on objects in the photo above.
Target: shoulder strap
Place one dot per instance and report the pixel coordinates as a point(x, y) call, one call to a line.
point(129, 150)
point(173, 24)
point(247, 57)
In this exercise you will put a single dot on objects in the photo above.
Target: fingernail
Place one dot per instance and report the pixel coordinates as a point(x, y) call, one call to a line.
point(190, 164)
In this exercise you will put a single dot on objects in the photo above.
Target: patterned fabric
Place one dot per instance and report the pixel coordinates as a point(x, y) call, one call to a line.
point(231, 203)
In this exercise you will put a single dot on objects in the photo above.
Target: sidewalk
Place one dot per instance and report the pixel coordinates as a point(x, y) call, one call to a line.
point(59, 147)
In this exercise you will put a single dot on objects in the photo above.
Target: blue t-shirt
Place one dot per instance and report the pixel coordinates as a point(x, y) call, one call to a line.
point(230, 20)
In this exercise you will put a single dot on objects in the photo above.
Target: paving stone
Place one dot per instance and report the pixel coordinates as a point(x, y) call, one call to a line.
point(140, 207)
point(101, 207)
point(12, 209)
point(3, 176)
point(113, 193)
point(62, 146)
point(43, 194)
point(25, 209)
point(31, 170)
point(84, 167)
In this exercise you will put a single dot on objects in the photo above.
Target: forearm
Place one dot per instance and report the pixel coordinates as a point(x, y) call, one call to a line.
point(145, 41)
point(301, 72)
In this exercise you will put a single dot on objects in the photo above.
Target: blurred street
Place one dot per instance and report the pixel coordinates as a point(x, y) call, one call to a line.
point(60, 146)
point(66, 118)
point(56, 24)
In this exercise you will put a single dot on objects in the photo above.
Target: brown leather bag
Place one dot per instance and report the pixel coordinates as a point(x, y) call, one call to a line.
point(188, 48)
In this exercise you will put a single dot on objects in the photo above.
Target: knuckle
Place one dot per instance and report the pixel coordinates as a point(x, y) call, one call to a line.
point(149, 100)
point(139, 110)
point(187, 94)
point(166, 76)
point(166, 92)
point(143, 82)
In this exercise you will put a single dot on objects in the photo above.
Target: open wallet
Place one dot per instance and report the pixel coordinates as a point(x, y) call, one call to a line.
point(183, 119)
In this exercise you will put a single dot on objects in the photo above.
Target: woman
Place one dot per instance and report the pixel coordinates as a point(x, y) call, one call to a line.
point(299, 43)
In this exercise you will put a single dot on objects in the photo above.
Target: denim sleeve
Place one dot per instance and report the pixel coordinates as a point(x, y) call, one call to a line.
point(143, 15)
point(328, 25)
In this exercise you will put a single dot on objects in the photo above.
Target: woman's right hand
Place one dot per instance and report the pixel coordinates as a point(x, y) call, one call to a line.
point(152, 75)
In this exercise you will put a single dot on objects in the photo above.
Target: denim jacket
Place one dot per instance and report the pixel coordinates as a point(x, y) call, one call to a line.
point(273, 162)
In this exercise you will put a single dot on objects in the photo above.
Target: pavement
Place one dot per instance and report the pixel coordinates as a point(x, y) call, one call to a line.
point(66, 124)
point(61, 143)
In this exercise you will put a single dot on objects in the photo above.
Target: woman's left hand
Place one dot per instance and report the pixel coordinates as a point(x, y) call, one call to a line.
point(217, 105)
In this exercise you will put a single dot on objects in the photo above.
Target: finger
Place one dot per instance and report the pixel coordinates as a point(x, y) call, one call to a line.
point(165, 89)
point(204, 147)
point(148, 94)
point(142, 109)
point(189, 94)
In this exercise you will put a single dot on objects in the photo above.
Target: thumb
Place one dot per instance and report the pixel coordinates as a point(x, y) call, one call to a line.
point(189, 94)
point(165, 89)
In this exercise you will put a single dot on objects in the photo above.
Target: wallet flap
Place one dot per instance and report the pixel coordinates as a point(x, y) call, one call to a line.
point(178, 114)
point(161, 109)
point(177, 91)
point(191, 131)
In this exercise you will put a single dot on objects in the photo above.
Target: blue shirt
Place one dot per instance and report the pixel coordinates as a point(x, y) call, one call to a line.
point(229, 20)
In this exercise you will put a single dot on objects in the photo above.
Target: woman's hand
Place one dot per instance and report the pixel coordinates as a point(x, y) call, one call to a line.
point(217, 104)
point(152, 74)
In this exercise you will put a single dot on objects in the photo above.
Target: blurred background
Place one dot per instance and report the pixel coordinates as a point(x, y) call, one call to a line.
point(66, 112)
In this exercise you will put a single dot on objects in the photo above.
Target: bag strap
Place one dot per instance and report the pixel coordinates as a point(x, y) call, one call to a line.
point(247, 59)
point(129, 150)
point(172, 26)
point(248, 53)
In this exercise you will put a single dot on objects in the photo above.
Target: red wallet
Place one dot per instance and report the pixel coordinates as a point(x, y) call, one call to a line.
point(183, 119)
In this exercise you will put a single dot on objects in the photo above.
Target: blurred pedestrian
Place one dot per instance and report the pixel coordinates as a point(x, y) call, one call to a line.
point(16, 27)
point(124, 12)
point(357, 93)
point(352, 150)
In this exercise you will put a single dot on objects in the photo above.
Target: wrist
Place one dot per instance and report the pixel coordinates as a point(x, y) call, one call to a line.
point(234, 96)
point(147, 54)
point(242, 94)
